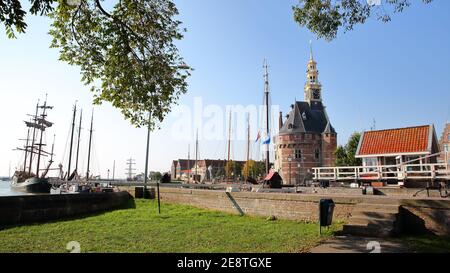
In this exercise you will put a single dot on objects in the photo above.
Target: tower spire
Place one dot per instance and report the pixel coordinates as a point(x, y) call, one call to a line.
point(312, 87)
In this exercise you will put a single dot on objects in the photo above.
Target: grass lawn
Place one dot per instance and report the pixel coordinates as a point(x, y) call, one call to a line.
point(178, 228)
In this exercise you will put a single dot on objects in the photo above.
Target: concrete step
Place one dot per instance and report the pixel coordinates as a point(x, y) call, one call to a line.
point(383, 223)
point(368, 231)
point(373, 219)
point(375, 214)
point(377, 207)
point(381, 201)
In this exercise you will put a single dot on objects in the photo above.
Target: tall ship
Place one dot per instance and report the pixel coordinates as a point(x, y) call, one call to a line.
point(30, 177)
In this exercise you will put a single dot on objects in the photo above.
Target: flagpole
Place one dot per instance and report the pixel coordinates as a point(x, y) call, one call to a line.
point(266, 94)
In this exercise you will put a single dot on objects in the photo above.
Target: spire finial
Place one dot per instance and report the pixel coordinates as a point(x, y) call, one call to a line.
point(310, 50)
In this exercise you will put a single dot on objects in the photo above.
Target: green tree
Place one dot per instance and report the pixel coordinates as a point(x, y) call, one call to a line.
point(232, 169)
point(253, 168)
point(229, 168)
point(345, 155)
point(155, 176)
point(126, 55)
point(250, 168)
point(326, 17)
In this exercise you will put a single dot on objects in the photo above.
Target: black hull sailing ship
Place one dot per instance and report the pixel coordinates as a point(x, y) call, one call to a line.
point(24, 179)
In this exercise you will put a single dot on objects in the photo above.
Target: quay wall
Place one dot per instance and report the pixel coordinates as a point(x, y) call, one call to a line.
point(417, 215)
point(281, 205)
point(39, 208)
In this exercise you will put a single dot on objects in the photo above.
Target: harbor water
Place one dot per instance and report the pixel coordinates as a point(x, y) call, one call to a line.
point(5, 189)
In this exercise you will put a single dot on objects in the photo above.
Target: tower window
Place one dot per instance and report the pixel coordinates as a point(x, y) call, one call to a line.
point(298, 154)
point(317, 154)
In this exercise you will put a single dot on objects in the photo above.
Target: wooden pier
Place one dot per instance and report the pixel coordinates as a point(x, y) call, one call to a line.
point(420, 172)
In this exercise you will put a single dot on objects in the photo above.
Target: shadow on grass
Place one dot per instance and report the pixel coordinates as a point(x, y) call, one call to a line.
point(427, 243)
point(129, 204)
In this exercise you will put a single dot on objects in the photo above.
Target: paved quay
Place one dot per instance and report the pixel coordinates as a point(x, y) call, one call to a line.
point(352, 244)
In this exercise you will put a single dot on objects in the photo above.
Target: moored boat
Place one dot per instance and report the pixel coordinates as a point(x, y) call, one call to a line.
point(24, 179)
point(31, 185)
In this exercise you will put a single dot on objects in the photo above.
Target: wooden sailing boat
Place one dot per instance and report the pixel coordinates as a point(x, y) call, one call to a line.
point(75, 175)
point(24, 179)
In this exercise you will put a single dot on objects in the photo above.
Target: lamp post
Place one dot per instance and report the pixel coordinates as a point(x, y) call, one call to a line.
point(298, 170)
point(290, 161)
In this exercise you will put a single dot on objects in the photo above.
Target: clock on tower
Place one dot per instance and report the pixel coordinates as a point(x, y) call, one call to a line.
point(316, 94)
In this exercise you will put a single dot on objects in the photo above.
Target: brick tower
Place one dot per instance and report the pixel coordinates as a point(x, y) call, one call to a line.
point(306, 138)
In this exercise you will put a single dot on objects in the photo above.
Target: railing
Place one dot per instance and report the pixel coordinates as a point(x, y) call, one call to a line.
point(385, 172)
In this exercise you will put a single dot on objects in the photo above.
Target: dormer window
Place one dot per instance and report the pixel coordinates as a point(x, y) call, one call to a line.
point(304, 116)
point(290, 126)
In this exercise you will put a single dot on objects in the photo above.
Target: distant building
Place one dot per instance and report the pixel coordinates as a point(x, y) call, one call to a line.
point(444, 144)
point(306, 138)
point(180, 169)
point(207, 169)
point(398, 146)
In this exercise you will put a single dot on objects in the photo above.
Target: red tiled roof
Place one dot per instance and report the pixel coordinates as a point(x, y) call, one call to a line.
point(395, 141)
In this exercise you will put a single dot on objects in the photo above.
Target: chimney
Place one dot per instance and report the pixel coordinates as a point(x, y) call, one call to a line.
point(280, 120)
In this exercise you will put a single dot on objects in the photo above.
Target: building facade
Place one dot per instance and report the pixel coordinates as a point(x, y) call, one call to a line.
point(413, 145)
point(181, 169)
point(444, 144)
point(306, 138)
point(206, 169)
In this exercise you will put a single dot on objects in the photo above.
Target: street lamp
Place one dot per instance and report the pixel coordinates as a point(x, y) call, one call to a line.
point(290, 161)
point(298, 170)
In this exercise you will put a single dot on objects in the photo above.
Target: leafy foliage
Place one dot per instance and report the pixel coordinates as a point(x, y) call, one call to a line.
point(155, 176)
point(345, 155)
point(253, 168)
point(12, 15)
point(326, 17)
point(232, 169)
point(127, 55)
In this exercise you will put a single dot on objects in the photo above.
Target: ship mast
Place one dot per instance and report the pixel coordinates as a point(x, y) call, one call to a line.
point(71, 139)
point(196, 156)
point(266, 97)
point(248, 137)
point(229, 137)
point(32, 141)
point(50, 162)
point(26, 151)
point(189, 163)
point(78, 141)
point(43, 124)
point(89, 149)
point(229, 140)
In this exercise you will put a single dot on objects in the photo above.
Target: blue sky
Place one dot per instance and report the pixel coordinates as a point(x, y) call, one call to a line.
point(396, 73)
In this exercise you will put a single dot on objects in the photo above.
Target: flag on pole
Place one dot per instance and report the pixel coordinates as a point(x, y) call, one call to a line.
point(258, 136)
point(267, 141)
